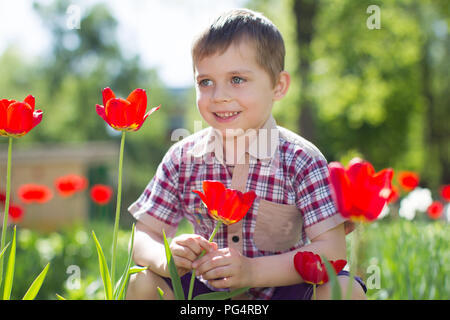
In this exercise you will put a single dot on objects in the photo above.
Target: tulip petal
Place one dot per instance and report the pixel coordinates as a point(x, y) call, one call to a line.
point(115, 112)
point(101, 112)
point(37, 118)
point(341, 188)
point(107, 95)
point(138, 99)
point(19, 118)
point(146, 115)
point(30, 100)
point(202, 196)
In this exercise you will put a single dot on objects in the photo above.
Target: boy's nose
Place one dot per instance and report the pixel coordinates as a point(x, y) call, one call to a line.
point(221, 94)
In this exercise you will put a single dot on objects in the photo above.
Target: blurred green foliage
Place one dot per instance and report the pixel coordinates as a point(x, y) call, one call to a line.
point(379, 93)
point(413, 258)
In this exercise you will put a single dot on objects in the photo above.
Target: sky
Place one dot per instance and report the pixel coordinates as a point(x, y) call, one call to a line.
point(160, 31)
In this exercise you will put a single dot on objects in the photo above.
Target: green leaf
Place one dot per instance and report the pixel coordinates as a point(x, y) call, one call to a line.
point(36, 285)
point(60, 297)
point(220, 295)
point(4, 250)
point(332, 278)
point(174, 276)
point(103, 270)
point(161, 293)
point(10, 269)
point(122, 284)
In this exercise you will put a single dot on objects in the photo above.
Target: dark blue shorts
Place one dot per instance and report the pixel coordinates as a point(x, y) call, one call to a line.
point(302, 291)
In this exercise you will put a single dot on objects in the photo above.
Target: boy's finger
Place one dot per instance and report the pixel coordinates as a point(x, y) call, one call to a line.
point(193, 244)
point(209, 246)
point(182, 262)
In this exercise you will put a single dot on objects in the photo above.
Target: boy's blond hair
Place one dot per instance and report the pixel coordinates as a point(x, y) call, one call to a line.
point(239, 25)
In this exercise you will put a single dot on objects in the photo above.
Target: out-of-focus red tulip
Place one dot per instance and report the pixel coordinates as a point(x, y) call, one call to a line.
point(445, 192)
point(69, 184)
point(408, 180)
point(18, 118)
point(16, 213)
point(359, 192)
point(226, 205)
point(31, 192)
point(312, 269)
point(435, 210)
point(124, 114)
point(394, 195)
point(101, 194)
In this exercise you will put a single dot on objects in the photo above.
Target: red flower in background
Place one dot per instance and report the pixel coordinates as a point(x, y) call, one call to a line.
point(18, 118)
point(38, 193)
point(359, 192)
point(435, 210)
point(16, 213)
point(124, 114)
point(408, 180)
point(445, 192)
point(69, 184)
point(393, 196)
point(311, 268)
point(226, 205)
point(101, 194)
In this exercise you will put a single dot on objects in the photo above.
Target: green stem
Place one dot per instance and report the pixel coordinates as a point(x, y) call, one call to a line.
point(314, 292)
point(6, 212)
point(118, 203)
point(211, 237)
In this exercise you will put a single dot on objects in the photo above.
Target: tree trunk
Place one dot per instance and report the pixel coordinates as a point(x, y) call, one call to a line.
point(305, 13)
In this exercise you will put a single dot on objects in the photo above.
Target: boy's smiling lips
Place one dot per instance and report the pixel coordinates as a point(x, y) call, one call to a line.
point(227, 116)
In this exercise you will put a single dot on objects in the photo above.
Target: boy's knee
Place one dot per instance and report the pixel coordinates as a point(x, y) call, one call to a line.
point(142, 286)
point(324, 291)
point(357, 290)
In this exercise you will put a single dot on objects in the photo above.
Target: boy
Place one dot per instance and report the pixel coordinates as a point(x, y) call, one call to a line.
point(239, 72)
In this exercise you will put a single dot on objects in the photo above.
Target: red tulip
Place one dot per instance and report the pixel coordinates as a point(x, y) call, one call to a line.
point(311, 268)
point(69, 184)
point(226, 205)
point(435, 210)
point(101, 194)
point(408, 180)
point(393, 196)
point(445, 192)
point(16, 213)
point(124, 115)
point(38, 193)
point(360, 193)
point(18, 118)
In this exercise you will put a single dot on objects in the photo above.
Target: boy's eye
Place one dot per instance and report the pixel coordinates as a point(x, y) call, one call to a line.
point(237, 80)
point(205, 82)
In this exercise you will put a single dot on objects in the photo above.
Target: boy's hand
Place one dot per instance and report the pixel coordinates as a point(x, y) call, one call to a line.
point(225, 268)
point(186, 248)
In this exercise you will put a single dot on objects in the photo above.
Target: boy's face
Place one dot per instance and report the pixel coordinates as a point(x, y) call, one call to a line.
point(233, 90)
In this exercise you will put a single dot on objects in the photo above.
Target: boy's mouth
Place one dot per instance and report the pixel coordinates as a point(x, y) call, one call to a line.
point(226, 116)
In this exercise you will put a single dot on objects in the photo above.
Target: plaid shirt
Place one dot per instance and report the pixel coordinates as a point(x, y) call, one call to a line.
point(293, 203)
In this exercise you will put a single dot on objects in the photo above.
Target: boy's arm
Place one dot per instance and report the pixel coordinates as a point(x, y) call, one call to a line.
point(279, 270)
point(148, 250)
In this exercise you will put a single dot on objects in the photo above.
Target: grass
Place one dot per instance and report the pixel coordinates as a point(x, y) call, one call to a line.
point(398, 259)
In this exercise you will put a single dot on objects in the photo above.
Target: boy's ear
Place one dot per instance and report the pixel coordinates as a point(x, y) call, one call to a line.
point(282, 85)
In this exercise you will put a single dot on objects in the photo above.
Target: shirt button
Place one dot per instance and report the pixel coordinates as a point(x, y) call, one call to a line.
point(235, 239)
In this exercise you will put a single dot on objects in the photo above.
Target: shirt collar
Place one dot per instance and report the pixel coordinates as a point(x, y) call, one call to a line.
point(262, 144)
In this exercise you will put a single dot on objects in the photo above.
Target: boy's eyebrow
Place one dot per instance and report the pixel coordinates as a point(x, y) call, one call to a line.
point(239, 71)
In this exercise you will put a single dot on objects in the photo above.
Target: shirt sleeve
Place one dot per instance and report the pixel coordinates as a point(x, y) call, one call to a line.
point(314, 199)
point(159, 205)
